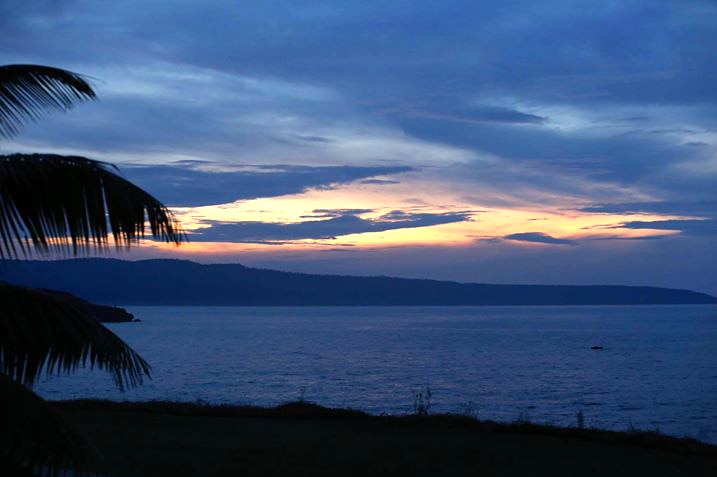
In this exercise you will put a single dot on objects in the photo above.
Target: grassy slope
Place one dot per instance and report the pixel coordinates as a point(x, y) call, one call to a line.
point(164, 439)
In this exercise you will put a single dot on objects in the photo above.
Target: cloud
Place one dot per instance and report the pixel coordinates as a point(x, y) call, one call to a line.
point(341, 222)
point(705, 207)
point(687, 227)
point(465, 114)
point(195, 184)
point(643, 237)
point(312, 138)
point(553, 105)
point(379, 182)
point(333, 213)
point(237, 84)
point(538, 237)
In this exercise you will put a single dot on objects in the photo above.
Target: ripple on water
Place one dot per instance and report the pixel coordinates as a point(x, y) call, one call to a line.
point(658, 369)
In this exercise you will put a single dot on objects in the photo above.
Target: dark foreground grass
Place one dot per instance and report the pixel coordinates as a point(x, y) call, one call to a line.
point(181, 439)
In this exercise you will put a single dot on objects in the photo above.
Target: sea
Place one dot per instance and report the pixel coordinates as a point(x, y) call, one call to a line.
point(656, 369)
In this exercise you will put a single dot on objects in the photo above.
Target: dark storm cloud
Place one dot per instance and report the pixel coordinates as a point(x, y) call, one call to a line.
point(182, 185)
point(342, 223)
point(538, 237)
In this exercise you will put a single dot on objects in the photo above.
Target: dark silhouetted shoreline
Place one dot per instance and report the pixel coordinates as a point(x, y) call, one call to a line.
point(181, 282)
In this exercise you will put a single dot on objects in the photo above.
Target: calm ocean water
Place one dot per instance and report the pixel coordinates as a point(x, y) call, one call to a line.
point(658, 369)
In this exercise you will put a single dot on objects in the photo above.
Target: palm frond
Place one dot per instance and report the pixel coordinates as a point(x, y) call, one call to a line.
point(28, 91)
point(39, 332)
point(35, 439)
point(58, 202)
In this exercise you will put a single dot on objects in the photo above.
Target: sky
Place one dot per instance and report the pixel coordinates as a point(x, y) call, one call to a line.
point(555, 142)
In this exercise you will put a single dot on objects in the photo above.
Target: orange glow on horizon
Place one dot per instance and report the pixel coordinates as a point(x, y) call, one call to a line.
point(483, 223)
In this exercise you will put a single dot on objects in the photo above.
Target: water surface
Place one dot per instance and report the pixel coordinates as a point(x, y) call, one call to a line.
point(658, 368)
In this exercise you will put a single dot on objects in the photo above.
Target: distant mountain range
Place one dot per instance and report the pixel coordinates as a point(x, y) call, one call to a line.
point(181, 282)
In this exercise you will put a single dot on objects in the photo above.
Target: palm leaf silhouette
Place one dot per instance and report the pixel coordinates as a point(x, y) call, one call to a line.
point(54, 202)
point(58, 203)
point(28, 91)
point(40, 332)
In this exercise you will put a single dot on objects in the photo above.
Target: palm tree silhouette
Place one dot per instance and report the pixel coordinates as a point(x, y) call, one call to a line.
point(66, 204)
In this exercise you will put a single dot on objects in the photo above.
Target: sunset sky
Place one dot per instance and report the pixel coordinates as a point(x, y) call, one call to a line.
point(569, 142)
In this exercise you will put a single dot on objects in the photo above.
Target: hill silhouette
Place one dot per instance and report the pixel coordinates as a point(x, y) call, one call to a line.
point(101, 313)
point(181, 282)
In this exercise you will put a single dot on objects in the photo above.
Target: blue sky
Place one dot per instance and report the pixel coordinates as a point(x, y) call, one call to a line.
point(523, 142)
